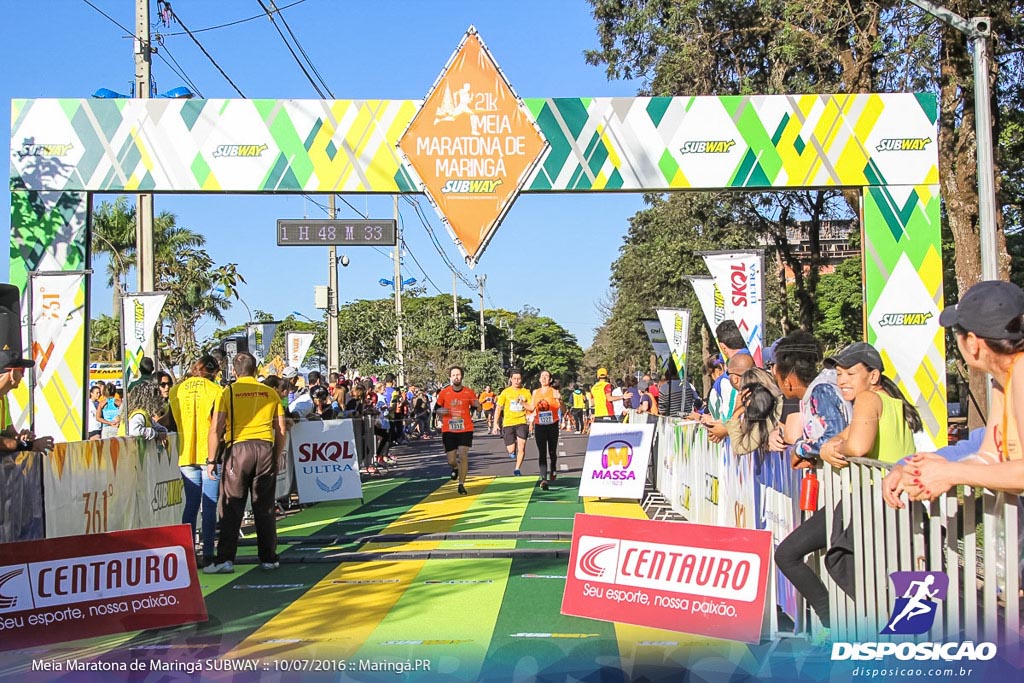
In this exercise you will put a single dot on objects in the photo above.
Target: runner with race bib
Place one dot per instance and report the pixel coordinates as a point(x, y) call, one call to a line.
point(453, 406)
point(513, 404)
point(547, 405)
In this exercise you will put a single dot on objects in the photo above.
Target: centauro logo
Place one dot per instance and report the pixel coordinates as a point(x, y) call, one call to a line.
point(707, 147)
point(9, 601)
point(474, 186)
point(44, 150)
point(903, 144)
point(905, 319)
point(239, 150)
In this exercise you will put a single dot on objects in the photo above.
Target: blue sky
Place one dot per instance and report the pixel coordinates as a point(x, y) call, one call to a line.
point(552, 252)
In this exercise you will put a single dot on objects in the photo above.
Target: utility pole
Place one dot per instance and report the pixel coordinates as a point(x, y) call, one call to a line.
point(332, 297)
point(399, 343)
point(480, 280)
point(145, 267)
point(978, 30)
point(455, 300)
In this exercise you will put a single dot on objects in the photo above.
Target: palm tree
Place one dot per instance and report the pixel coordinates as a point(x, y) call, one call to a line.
point(113, 234)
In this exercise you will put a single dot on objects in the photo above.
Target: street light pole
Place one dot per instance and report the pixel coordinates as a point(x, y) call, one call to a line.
point(332, 297)
point(480, 280)
point(145, 271)
point(978, 30)
point(399, 342)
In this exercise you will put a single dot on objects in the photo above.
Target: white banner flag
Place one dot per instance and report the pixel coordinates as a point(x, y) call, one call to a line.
point(297, 345)
point(324, 460)
point(711, 301)
point(738, 276)
point(676, 325)
point(259, 335)
point(139, 316)
point(658, 342)
point(58, 315)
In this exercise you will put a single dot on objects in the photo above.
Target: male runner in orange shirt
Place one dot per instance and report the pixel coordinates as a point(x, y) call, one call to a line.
point(453, 405)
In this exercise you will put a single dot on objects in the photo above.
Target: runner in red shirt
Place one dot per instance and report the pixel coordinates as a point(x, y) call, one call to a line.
point(453, 405)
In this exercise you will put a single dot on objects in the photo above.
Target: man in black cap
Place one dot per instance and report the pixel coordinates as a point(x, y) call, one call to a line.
point(12, 369)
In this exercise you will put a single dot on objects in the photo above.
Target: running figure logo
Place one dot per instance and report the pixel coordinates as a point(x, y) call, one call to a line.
point(915, 609)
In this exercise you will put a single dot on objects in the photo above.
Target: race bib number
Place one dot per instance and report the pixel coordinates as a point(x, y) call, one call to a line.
point(456, 424)
point(516, 406)
point(545, 417)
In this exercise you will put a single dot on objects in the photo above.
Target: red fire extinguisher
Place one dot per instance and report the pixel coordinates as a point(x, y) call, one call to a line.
point(809, 492)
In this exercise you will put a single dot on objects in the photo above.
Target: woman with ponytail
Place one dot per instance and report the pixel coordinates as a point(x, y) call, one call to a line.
point(883, 422)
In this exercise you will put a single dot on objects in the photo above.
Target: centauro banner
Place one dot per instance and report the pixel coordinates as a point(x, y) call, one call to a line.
point(139, 316)
point(63, 589)
point(473, 144)
point(675, 322)
point(297, 345)
point(738, 276)
point(57, 313)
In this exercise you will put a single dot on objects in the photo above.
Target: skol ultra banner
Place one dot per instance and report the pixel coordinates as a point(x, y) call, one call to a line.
point(659, 343)
point(710, 298)
point(676, 324)
point(738, 276)
point(324, 460)
point(473, 144)
point(63, 589)
point(57, 309)
point(259, 335)
point(139, 316)
point(297, 345)
point(615, 465)
point(707, 580)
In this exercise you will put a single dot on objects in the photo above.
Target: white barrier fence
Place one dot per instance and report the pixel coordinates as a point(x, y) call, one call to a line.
point(971, 536)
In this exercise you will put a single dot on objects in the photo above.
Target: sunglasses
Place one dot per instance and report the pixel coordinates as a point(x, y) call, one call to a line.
point(165, 384)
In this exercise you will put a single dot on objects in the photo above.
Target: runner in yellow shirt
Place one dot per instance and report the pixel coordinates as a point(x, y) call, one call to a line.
point(514, 403)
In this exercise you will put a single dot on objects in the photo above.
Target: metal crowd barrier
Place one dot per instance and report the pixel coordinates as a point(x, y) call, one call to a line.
point(972, 535)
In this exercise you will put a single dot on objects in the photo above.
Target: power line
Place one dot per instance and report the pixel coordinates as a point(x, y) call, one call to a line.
point(294, 56)
point(437, 245)
point(180, 70)
point(208, 56)
point(299, 45)
point(239, 21)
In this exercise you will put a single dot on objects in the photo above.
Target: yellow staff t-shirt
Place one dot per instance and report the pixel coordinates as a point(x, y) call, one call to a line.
point(256, 406)
point(192, 404)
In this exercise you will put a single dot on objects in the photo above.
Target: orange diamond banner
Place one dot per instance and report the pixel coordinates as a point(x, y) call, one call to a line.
point(473, 145)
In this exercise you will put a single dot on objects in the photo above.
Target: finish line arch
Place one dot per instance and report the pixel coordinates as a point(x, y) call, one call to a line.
point(63, 150)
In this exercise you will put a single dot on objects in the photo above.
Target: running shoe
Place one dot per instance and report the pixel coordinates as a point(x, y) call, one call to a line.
point(517, 473)
point(512, 455)
point(543, 484)
point(391, 460)
point(551, 477)
point(222, 568)
point(462, 490)
point(269, 565)
point(455, 474)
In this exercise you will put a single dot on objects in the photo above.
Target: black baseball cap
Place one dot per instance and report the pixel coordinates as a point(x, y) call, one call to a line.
point(857, 352)
point(988, 309)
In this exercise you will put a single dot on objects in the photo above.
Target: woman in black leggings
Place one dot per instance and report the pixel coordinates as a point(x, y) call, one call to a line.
point(547, 403)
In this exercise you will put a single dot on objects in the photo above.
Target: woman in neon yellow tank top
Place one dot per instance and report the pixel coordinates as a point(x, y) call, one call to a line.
point(883, 422)
point(989, 327)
